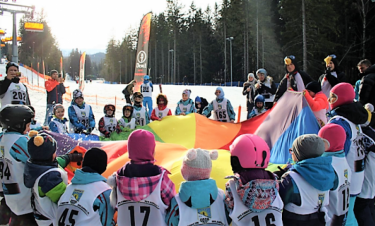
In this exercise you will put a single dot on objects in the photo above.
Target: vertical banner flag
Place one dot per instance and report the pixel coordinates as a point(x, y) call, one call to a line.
point(38, 73)
point(81, 83)
point(142, 51)
point(61, 67)
point(43, 69)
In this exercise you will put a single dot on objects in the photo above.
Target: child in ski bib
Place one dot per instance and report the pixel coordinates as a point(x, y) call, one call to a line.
point(58, 123)
point(141, 190)
point(252, 196)
point(364, 203)
point(12, 90)
point(199, 201)
point(305, 189)
point(146, 90)
point(80, 114)
point(16, 120)
point(86, 199)
point(200, 104)
point(161, 110)
point(108, 123)
point(186, 105)
point(221, 107)
point(338, 206)
point(349, 115)
point(45, 175)
point(259, 107)
point(139, 113)
point(127, 121)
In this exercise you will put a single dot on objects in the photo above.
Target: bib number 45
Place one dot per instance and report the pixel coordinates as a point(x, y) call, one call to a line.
point(68, 216)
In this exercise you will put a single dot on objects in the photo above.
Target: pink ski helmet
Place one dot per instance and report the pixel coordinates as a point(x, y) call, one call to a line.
point(251, 150)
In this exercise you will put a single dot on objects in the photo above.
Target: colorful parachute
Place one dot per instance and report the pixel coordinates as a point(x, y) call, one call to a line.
point(290, 118)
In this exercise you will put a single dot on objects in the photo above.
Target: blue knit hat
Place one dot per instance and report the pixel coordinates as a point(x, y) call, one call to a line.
point(198, 99)
point(41, 146)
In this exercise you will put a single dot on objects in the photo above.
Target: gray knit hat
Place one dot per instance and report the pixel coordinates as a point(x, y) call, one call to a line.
point(197, 164)
point(308, 146)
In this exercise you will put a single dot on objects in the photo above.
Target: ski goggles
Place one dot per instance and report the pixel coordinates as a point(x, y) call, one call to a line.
point(333, 56)
point(288, 59)
point(10, 64)
point(110, 108)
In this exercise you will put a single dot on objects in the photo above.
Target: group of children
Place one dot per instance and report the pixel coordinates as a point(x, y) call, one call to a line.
point(82, 120)
point(35, 188)
point(331, 181)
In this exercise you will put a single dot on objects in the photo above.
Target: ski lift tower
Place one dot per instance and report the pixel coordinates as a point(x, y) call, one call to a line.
point(14, 9)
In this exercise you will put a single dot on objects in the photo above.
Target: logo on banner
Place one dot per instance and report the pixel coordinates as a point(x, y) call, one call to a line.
point(141, 59)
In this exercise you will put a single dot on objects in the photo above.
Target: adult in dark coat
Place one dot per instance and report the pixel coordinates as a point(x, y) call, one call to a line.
point(128, 91)
point(249, 92)
point(11, 85)
point(367, 86)
point(294, 78)
point(55, 89)
point(265, 87)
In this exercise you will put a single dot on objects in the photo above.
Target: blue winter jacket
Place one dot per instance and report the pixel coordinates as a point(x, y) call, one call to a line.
point(74, 120)
point(318, 172)
point(219, 99)
point(186, 102)
point(53, 126)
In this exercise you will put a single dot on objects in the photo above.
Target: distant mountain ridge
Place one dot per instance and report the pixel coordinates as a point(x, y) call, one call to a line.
point(97, 57)
point(66, 52)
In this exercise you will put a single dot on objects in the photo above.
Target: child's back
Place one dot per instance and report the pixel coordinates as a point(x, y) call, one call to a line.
point(86, 199)
point(43, 175)
point(199, 201)
point(252, 196)
point(142, 191)
point(305, 189)
point(339, 197)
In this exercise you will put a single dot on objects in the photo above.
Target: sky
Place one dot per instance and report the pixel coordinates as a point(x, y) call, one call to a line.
point(89, 25)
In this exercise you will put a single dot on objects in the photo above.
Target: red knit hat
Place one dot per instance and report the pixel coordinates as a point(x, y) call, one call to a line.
point(141, 146)
point(344, 93)
point(335, 135)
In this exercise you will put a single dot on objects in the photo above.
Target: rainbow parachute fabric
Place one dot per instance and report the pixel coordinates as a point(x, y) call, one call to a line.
point(290, 118)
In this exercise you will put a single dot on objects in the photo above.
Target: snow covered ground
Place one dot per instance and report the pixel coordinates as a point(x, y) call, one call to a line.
point(173, 92)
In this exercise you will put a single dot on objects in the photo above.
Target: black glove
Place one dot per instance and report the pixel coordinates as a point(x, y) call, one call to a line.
point(280, 172)
point(16, 80)
point(328, 71)
point(75, 157)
